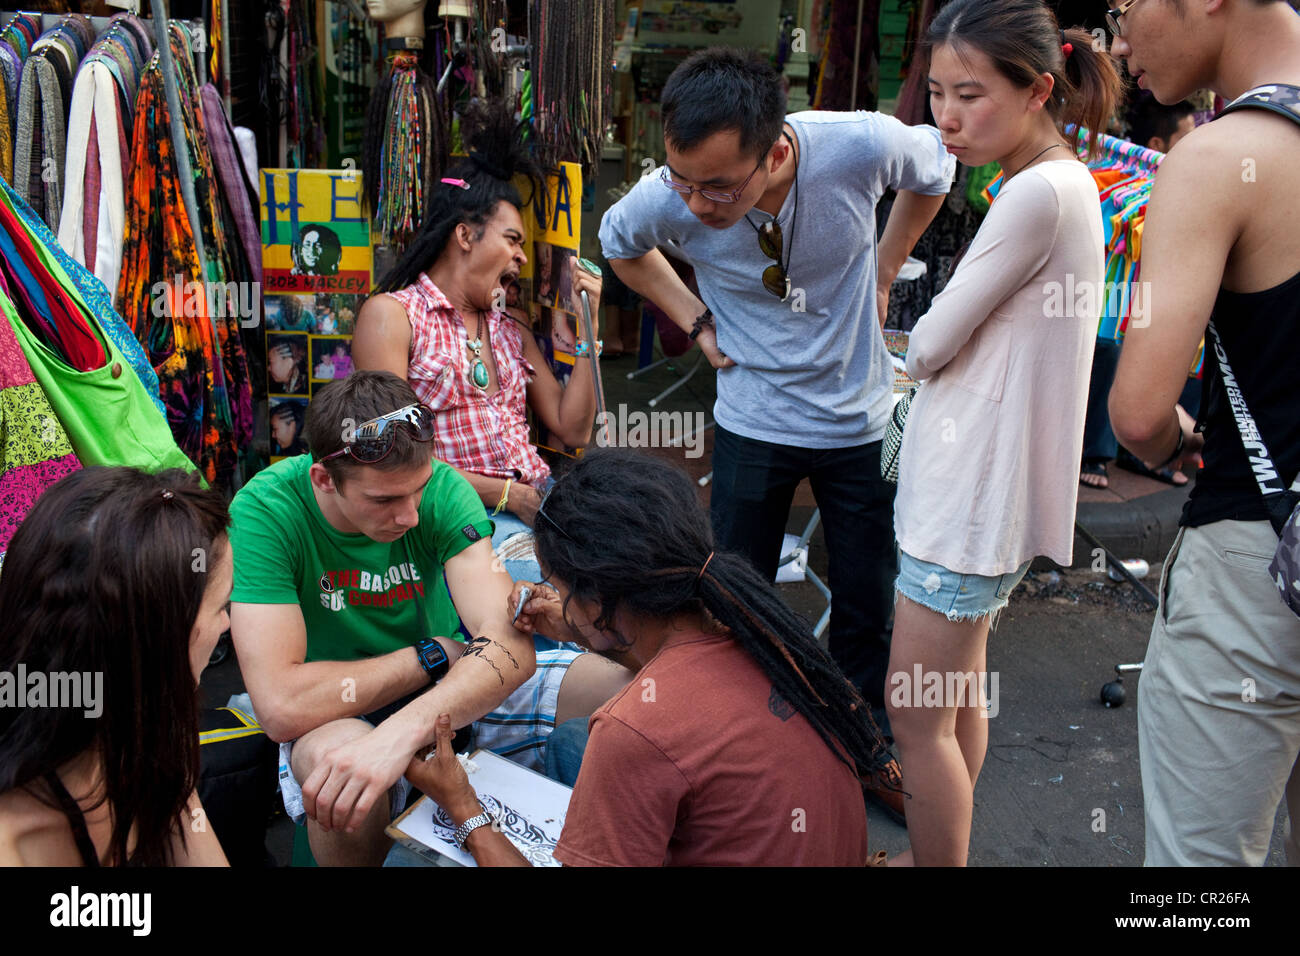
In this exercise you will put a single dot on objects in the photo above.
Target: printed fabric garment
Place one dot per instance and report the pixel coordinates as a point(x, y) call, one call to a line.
point(34, 449)
point(6, 125)
point(224, 154)
point(477, 432)
point(225, 260)
point(178, 333)
point(95, 295)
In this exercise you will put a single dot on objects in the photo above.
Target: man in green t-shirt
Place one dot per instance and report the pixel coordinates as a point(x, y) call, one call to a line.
point(346, 560)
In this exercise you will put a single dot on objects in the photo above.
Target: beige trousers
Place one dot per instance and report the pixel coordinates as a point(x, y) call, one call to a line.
point(1219, 703)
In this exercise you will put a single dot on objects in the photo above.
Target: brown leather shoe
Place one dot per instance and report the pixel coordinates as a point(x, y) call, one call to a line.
point(889, 799)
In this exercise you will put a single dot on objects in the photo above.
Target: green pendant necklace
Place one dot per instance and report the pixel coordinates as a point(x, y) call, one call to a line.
point(478, 373)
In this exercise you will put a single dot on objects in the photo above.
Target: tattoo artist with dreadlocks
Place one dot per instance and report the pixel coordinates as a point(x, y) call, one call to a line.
point(738, 742)
point(777, 214)
point(442, 326)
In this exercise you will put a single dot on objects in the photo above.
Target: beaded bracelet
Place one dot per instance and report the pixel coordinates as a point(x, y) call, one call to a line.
point(583, 350)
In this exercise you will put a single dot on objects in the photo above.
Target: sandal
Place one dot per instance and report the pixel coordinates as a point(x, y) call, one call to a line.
point(1129, 462)
point(1096, 468)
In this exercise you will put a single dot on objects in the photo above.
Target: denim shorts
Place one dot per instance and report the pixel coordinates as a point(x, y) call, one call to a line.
point(959, 597)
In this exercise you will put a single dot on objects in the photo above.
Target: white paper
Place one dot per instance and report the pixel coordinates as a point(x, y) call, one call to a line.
point(528, 808)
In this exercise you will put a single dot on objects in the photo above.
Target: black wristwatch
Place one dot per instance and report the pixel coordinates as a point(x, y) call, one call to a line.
point(433, 659)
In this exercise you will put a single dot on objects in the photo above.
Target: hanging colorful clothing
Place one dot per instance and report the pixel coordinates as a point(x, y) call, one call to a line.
point(34, 449)
point(173, 322)
point(93, 292)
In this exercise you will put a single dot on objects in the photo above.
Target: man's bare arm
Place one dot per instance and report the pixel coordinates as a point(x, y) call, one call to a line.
point(1193, 221)
point(502, 659)
point(651, 277)
point(910, 216)
point(292, 697)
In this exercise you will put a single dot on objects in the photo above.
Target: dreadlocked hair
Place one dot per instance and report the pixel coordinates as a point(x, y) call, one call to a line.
point(624, 531)
point(497, 153)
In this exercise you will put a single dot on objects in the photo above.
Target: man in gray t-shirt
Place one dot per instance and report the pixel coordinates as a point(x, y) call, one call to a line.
point(793, 313)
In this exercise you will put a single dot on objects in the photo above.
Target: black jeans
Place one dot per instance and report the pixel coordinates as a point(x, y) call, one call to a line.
point(753, 485)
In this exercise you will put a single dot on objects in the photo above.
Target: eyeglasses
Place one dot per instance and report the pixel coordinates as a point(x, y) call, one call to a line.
point(1112, 17)
point(373, 440)
point(770, 242)
point(541, 513)
point(713, 195)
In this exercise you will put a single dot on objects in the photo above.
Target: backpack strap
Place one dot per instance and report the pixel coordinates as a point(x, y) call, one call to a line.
point(1280, 98)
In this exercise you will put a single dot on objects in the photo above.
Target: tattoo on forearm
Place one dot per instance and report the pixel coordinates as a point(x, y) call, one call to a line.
point(478, 648)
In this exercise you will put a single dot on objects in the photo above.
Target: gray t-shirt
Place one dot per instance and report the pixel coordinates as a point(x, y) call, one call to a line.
point(817, 378)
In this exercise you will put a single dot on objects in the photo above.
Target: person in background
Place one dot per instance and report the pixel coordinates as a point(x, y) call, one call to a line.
point(737, 743)
point(124, 576)
point(987, 461)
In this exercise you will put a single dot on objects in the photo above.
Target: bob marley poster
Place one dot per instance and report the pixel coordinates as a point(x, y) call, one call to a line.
point(316, 265)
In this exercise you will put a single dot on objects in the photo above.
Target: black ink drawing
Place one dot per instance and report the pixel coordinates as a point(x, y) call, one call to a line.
point(478, 647)
point(529, 839)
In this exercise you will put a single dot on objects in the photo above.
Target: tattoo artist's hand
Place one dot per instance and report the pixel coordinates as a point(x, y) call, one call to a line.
point(544, 613)
point(352, 778)
point(707, 340)
point(442, 777)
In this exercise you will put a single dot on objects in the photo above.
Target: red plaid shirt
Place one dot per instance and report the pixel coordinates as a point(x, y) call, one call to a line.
point(485, 434)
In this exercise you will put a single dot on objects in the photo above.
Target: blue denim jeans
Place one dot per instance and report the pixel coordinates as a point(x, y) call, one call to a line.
point(753, 485)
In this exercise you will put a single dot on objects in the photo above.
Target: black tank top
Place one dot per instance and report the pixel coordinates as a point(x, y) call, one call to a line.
point(1259, 331)
point(76, 819)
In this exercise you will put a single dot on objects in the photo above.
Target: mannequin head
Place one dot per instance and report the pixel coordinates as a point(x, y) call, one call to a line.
point(401, 18)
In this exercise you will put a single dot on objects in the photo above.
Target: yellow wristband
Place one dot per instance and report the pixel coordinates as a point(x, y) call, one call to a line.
point(505, 498)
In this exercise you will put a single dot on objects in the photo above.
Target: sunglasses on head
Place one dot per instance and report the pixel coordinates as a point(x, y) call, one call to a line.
point(541, 513)
point(373, 440)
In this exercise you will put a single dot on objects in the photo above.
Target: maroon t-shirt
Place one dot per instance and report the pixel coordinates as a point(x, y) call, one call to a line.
point(700, 762)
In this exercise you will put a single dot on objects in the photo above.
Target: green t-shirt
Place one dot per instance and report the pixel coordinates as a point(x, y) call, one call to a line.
point(359, 597)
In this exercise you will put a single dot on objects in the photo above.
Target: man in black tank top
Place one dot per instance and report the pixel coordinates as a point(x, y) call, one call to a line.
point(1218, 719)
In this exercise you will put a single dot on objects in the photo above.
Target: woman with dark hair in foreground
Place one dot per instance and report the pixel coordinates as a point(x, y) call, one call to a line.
point(739, 742)
point(114, 590)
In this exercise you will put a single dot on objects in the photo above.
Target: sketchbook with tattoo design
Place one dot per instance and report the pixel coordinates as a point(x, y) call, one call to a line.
point(528, 807)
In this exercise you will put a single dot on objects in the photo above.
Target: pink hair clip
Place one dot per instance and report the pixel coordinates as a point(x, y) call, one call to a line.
point(457, 182)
